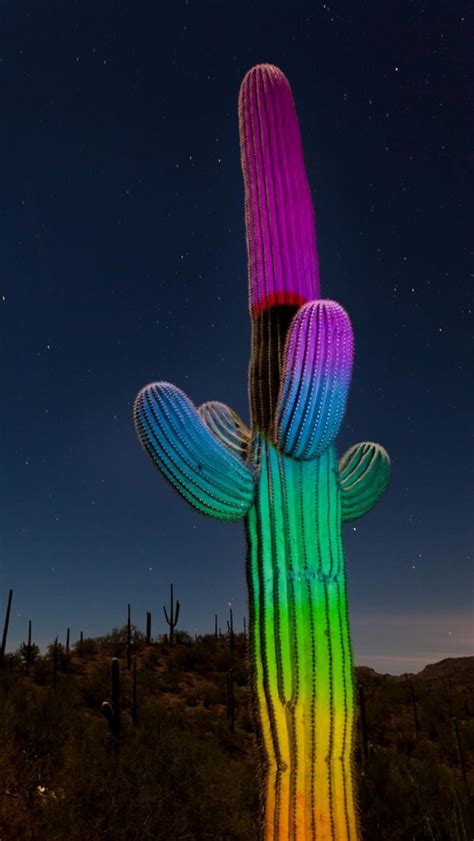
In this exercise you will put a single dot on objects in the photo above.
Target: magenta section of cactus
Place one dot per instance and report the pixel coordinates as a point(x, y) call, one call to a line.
point(281, 234)
point(315, 383)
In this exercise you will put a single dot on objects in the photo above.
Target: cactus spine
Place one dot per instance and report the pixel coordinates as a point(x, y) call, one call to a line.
point(284, 478)
point(111, 711)
point(5, 628)
point(172, 618)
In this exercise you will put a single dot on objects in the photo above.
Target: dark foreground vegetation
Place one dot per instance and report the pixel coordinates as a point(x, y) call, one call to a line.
point(172, 755)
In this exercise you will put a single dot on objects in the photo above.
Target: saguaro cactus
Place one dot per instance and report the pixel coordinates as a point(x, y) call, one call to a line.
point(5, 627)
point(111, 711)
point(172, 618)
point(284, 478)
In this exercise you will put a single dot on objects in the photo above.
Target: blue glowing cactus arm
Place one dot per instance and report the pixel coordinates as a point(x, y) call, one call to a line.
point(225, 425)
point(207, 474)
point(364, 473)
point(317, 367)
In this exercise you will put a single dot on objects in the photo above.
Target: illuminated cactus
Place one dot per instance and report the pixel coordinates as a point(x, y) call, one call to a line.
point(284, 478)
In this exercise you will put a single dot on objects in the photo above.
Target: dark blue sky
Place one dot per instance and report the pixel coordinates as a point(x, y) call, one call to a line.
point(123, 261)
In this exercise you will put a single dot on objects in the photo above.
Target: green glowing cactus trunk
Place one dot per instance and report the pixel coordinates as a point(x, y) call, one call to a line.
point(300, 648)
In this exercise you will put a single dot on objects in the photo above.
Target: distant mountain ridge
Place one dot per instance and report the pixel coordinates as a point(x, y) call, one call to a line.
point(433, 671)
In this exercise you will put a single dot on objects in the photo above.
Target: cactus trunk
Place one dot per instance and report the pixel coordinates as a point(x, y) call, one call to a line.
point(301, 650)
point(5, 627)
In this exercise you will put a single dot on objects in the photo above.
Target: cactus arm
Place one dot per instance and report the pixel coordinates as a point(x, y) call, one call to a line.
point(107, 712)
point(364, 473)
point(225, 425)
point(315, 382)
point(201, 468)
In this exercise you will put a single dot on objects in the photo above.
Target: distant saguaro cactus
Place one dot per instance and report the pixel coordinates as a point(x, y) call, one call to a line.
point(172, 618)
point(413, 702)
point(284, 478)
point(134, 693)
point(230, 699)
point(363, 726)
point(5, 627)
point(230, 629)
point(129, 640)
point(111, 711)
point(28, 649)
point(55, 662)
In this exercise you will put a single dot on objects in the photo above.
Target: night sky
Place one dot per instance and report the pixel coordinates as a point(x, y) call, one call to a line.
point(123, 261)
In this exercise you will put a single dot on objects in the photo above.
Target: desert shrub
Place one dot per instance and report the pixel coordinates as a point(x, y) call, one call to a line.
point(115, 643)
point(22, 652)
point(89, 647)
point(224, 660)
point(152, 657)
point(183, 638)
point(210, 696)
point(13, 661)
point(191, 697)
point(240, 672)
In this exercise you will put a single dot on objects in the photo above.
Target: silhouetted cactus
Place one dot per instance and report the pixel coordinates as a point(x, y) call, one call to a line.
point(230, 629)
point(460, 753)
point(230, 699)
point(363, 726)
point(172, 619)
point(129, 640)
point(134, 693)
point(111, 711)
point(68, 640)
point(81, 644)
point(413, 702)
point(5, 628)
point(28, 649)
point(148, 628)
point(55, 662)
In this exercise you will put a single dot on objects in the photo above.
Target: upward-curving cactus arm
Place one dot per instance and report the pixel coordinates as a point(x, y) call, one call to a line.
point(315, 381)
point(364, 473)
point(225, 425)
point(205, 472)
